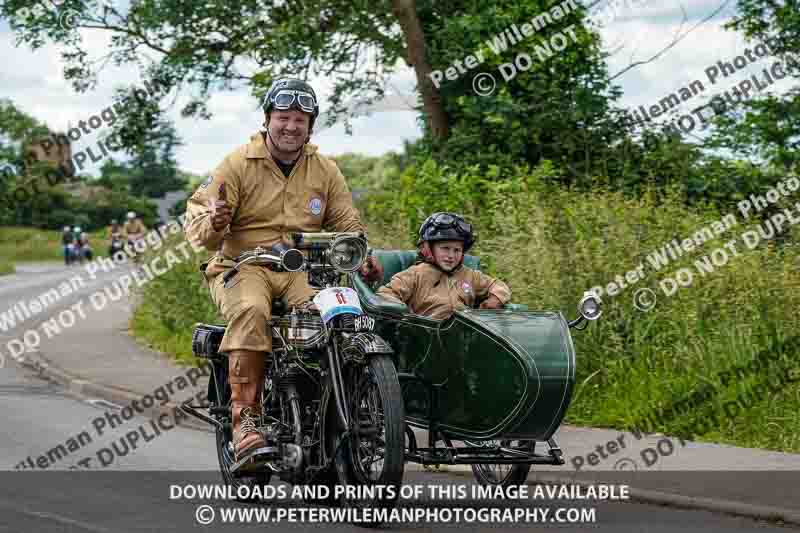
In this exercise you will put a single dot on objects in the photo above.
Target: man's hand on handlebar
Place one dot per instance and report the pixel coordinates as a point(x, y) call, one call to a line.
point(221, 214)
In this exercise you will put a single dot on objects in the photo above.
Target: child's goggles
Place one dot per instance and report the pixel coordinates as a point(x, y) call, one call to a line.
point(446, 220)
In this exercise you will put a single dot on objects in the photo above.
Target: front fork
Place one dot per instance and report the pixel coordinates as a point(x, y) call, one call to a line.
point(337, 382)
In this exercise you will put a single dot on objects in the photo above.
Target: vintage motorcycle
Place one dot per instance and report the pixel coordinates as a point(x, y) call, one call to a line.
point(332, 403)
point(116, 244)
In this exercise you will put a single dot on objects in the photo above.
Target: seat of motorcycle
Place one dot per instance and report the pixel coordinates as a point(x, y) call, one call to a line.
point(279, 307)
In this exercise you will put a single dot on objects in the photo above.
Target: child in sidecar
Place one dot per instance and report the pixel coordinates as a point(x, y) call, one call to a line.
point(439, 284)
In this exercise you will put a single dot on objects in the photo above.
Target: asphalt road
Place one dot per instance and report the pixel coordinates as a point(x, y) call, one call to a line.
point(132, 493)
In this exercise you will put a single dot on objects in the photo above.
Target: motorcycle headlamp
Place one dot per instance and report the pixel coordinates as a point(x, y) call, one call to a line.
point(285, 99)
point(347, 253)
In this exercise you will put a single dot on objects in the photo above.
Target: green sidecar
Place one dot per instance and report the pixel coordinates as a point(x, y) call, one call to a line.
point(500, 381)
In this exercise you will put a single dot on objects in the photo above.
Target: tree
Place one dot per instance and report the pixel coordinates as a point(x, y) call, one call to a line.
point(221, 45)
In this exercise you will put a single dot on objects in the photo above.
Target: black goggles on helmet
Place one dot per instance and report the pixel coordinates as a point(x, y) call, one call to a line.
point(286, 98)
point(446, 220)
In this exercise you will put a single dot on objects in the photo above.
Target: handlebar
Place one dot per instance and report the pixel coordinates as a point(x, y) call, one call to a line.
point(346, 252)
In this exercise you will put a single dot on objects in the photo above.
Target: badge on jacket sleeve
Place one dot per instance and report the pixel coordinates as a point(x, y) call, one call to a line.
point(465, 286)
point(315, 205)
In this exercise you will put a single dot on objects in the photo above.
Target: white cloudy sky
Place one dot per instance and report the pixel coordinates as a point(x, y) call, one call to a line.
point(33, 80)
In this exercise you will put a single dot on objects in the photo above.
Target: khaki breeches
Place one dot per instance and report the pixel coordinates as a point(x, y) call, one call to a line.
point(246, 304)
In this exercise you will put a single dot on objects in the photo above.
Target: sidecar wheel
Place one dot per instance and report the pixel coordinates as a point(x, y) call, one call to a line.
point(374, 453)
point(503, 475)
point(226, 460)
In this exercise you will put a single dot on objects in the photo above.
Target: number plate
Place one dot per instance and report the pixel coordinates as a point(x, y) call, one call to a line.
point(365, 323)
point(337, 300)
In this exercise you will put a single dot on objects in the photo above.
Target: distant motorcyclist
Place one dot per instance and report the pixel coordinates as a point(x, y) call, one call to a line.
point(84, 248)
point(67, 241)
point(115, 236)
point(135, 230)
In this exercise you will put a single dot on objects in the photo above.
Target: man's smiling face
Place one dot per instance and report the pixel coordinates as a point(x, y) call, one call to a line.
point(289, 129)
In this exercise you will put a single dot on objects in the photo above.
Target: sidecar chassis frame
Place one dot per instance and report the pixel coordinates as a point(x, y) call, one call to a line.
point(466, 455)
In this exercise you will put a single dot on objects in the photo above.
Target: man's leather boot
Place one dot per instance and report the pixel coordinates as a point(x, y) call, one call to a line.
point(246, 377)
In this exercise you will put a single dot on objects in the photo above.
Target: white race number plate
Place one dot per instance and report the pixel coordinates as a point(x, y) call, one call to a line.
point(336, 301)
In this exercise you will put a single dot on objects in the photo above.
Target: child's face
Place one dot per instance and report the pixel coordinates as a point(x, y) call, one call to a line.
point(447, 254)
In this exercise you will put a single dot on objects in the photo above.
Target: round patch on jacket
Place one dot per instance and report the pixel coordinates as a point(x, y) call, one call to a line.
point(316, 206)
point(465, 286)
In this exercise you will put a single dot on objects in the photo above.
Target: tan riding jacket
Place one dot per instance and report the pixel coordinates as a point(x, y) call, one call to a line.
point(430, 292)
point(267, 206)
point(134, 226)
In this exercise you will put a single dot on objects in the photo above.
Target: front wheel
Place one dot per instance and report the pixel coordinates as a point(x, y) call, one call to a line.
point(504, 475)
point(373, 451)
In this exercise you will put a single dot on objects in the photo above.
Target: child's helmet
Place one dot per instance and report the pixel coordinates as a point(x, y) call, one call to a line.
point(446, 227)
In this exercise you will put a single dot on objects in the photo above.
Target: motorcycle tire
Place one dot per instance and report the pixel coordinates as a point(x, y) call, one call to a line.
point(503, 475)
point(380, 428)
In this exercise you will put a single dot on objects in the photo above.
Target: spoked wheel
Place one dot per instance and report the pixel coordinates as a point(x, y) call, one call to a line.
point(504, 475)
point(373, 451)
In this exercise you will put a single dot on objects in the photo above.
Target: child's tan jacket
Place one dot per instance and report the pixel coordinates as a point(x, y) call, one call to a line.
point(431, 292)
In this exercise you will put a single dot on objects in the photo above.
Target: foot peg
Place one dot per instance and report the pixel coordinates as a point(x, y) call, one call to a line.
point(255, 460)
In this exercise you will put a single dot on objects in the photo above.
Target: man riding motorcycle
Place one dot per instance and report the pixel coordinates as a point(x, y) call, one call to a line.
point(67, 241)
point(263, 191)
point(84, 248)
point(135, 230)
point(115, 236)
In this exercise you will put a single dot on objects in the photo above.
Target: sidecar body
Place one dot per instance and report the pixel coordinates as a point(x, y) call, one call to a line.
point(479, 375)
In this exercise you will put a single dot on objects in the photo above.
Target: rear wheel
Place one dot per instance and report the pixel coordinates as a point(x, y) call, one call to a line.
point(504, 475)
point(373, 453)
